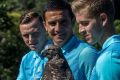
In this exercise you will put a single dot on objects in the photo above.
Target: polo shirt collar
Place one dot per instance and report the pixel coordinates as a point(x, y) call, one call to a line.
point(35, 55)
point(69, 44)
point(112, 39)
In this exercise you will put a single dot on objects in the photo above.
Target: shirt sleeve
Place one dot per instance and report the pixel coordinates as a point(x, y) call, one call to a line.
point(115, 66)
point(108, 66)
point(88, 59)
point(21, 75)
point(94, 75)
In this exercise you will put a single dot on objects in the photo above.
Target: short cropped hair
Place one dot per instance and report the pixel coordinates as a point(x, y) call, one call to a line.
point(58, 5)
point(28, 16)
point(95, 7)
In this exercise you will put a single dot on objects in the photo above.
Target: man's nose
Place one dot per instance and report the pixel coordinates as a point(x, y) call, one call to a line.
point(31, 39)
point(57, 27)
point(82, 30)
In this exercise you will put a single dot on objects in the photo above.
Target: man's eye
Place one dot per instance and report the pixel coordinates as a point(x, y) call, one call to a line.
point(63, 22)
point(84, 23)
point(52, 23)
point(35, 34)
point(25, 35)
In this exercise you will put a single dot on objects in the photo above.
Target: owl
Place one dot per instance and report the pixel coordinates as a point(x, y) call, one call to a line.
point(57, 67)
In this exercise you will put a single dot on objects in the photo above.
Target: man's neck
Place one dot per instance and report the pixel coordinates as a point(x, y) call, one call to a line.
point(105, 36)
point(42, 46)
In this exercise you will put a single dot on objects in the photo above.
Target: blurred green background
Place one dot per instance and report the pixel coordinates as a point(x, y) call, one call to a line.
point(12, 47)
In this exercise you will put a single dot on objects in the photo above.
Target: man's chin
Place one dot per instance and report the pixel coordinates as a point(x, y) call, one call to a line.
point(33, 49)
point(60, 43)
point(91, 42)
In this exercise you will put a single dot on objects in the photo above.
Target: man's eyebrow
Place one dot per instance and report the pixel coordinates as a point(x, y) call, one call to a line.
point(83, 21)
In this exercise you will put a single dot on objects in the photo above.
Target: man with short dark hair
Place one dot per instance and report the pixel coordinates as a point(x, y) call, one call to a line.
point(58, 20)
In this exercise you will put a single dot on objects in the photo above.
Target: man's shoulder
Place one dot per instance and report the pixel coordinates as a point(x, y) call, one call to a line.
point(86, 46)
point(80, 43)
point(88, 51)
point(29, 55)
point(113, 47)
point(82, 46)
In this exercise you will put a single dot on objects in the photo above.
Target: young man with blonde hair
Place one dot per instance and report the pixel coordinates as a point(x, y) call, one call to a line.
point(95, 19)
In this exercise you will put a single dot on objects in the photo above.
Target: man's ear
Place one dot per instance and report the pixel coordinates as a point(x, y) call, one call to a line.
point(45, 25)
point(104, 18)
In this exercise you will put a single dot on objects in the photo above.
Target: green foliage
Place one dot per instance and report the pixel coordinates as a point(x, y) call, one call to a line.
point(117, 26)
point(12, 47)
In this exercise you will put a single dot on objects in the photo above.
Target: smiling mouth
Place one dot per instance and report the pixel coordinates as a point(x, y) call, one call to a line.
point(33, 45)
point(61, 36)
point(86, 37)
